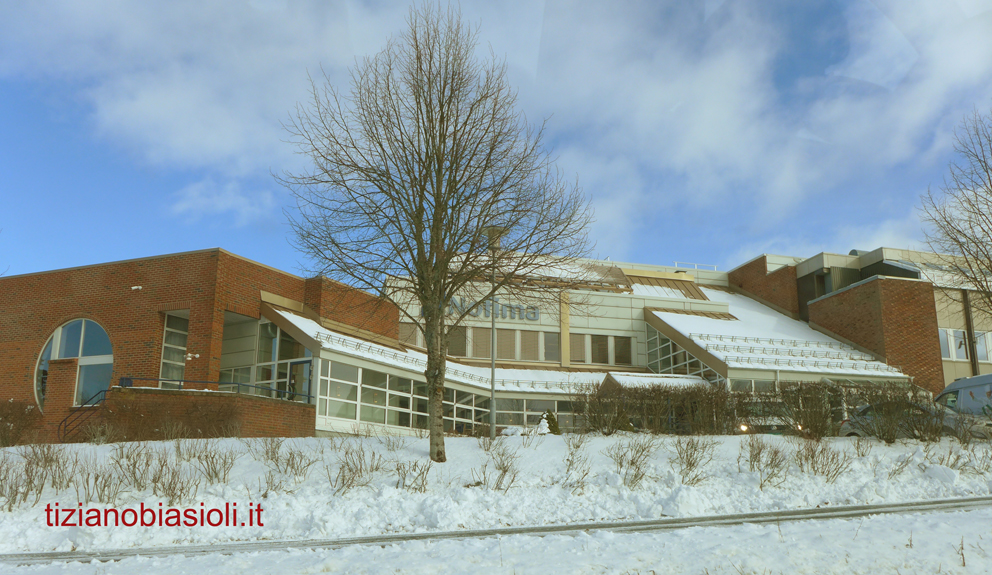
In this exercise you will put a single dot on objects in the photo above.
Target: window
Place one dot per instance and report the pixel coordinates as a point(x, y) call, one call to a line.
point(981, 346)
point(481, 342)
point(552, 346)
point(456, 341)
point(529, 346)
point(174, 350)
point(577, 348)
point(622, 350)
point(86, 340)
point(960, 344)
point(506, 344)
point(600, 349)
point(945, 348)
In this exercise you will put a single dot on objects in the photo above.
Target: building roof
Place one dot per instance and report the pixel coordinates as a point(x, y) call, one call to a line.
point(516, 380)
point(763, 338)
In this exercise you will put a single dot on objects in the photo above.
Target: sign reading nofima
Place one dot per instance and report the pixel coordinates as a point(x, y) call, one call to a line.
point(487, 307)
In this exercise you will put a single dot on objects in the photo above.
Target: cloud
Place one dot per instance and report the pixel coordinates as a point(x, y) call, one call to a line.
point(736, 114)
point(208, 199)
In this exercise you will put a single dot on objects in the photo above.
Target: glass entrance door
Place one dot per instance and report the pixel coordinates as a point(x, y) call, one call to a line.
point(296, 385)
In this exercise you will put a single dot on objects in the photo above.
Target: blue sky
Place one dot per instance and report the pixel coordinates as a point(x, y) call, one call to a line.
point(709, 131)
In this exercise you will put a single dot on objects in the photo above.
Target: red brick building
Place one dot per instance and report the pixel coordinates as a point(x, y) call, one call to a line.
point(66, 335)
point(214, 344)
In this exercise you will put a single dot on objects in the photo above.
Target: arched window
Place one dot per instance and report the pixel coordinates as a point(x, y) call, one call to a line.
point(83, 339)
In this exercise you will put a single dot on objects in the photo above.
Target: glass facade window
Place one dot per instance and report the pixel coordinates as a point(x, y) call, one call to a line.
point(552, 346)
point(622, 350)
point(600, 349)
point(88, 341)
point(960, 344)
point(945, 347)
point(529, 348)
point(577, 347)
point(457, 337)
point(981, 346)
point(665, 356)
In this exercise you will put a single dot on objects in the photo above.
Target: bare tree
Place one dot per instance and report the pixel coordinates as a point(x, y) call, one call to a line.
point(960, 214)
point(414, 174)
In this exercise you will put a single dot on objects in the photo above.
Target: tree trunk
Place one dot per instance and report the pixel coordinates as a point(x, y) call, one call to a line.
point(436, 351)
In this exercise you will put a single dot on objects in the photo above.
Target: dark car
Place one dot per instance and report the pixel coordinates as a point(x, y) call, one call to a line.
point(891, 420)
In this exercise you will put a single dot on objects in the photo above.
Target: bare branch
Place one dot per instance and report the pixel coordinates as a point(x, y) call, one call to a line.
point(960, 213)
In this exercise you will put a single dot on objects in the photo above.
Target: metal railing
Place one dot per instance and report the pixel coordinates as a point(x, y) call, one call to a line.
point(692, 266)
point(266, 391)
point(83, 412)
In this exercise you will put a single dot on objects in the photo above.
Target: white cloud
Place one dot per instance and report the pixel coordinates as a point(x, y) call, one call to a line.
point(208, 199)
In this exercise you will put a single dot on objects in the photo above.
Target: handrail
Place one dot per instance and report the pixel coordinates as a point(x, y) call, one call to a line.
point(129, 382)
point(80, 414)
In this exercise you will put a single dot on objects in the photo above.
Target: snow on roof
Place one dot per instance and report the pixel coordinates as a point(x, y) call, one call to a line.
point(644, 290)
point(652, 379)
point(766, 339)
point(528, 380)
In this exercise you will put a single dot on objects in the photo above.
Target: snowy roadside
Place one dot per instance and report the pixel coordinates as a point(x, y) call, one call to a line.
point(308, 506)
point(940, 543)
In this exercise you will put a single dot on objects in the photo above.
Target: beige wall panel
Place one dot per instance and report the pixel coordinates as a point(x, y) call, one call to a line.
point(949, 311)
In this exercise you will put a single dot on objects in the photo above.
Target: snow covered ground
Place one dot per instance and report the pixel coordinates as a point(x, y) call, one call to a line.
point(308, 505)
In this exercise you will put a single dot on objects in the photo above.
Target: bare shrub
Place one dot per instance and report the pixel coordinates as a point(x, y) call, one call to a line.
point(356, 468)
point(103, 432)
point(630, 457)
point(603, 407)
point(413, 476)
point(692, 455)
point(532, 439)
point(900, 466)
point(172, 430)
point(981, 457)
point(504, 471)
point(956, 459)
point(171, 481)
point(889, 415)
point(214, 463)
point(862, 446)
point(809, 408)
point(134, 462)
point(97, 483)
point(770, 462)
point(609, 408)
point(821, 459)
point(486, 443)
point(577, 466)
point(928, 426)
point(188, 449)
point(297, 462)
point(392, 442)
point(17, 418)
point(266, 449)
point(13, 488)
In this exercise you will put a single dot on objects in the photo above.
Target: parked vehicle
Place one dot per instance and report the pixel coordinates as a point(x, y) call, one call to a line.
point(892, 420)
point(971, 395)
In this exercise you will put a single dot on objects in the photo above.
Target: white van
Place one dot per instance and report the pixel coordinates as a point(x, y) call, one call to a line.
point(971, 395)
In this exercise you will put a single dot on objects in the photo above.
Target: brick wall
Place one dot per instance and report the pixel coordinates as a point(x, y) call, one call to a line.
point(354, 307)
point(892, 317)
point(777, 288)
point(142, 412)
point(35, 305)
